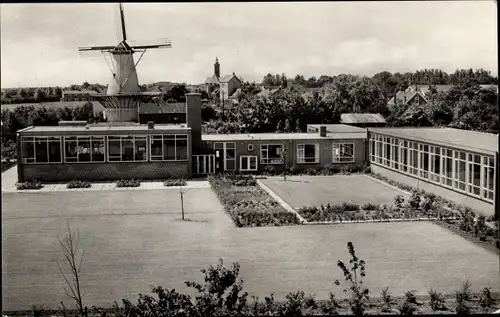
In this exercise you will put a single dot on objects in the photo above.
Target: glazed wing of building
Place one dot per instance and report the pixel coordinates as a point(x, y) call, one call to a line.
point(467, 172)
point(73, 154)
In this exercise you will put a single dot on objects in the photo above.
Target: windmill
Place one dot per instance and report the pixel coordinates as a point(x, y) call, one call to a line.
point(123, 96)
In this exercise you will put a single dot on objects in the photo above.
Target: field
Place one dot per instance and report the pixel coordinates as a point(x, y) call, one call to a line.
point(300, 191)
point(134, 239)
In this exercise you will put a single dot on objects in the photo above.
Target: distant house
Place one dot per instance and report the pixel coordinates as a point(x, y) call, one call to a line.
point(407, 97)
point(77, 95)
point(363, 120)
point(268, 91)
point(161, 112)
point(229, 85)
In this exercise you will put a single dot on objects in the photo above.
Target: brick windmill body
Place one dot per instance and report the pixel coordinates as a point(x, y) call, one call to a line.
point(123, 96)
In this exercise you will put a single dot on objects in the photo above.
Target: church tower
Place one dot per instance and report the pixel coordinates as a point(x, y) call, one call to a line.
point(217, 68)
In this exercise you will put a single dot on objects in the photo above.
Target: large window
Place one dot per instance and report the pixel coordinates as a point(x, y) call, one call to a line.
point(470, 173)
point(168, 147)
point(127, 148)
point(248, 163)
point(307, 153)
point(271, 154)
point(343, 152)
point(83, 149)
point(41, 150)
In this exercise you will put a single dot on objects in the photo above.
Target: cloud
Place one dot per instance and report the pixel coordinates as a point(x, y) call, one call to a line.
point(40, 41)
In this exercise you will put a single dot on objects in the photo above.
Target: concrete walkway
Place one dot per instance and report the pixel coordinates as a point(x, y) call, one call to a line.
point(9, 179)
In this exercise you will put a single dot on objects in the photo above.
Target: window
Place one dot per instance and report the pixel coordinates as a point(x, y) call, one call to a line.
point(41, 150)
point(248, 163)
point(228, 150)
point(127, 148)
point(83, 149)
point(271, 153)
point(167, 147)
point(250, 147)
point(307, 153)
point(343, 152)
point(460, 171)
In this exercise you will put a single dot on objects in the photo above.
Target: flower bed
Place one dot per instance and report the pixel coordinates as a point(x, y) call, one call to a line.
point(326, 170)
point(353, 212)
point(175, 182)
point(78, 184)
point(128, 183)
point(29, 185)
point(247, 204)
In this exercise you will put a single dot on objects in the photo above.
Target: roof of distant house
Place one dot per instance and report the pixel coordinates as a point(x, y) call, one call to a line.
point(403, 97)
point(80, 92)
point(280, 137)
point(227, 78)
point(462, 139)
point(162, 107)
point(212, 80)
point(362, 118)
point(335, 128)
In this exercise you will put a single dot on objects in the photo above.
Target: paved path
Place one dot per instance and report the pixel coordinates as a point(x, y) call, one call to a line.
point(9, 179)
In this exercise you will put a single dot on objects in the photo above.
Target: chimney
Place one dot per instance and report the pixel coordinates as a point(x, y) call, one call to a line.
point(193, 120)
point(151, 125)
point(322, 131)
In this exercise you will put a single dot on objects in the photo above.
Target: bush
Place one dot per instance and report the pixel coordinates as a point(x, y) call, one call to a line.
point(331, 306)
point(33, 184)
point(295, 170)
point(350, 207)
point(175, 182)
point(128, 183)
point(270, 170)
point(369, 206)
point(78, 184)
point(436, 300)
point(398, 201)
point(486, 300)
point(386, 300)
point(414, 201)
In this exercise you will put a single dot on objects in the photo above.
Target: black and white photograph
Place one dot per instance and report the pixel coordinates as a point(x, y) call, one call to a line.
point(249, 158)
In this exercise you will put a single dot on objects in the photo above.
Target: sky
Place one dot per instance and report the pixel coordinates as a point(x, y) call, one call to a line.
point(39, 42)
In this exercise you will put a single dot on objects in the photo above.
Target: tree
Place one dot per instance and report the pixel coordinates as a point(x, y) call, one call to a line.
point(73, 262)
point(181, 193)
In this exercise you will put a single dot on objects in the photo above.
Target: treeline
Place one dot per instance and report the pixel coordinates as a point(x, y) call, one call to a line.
point(43, 94)
point(25, 116)
point(401, 80)
point(465, 106)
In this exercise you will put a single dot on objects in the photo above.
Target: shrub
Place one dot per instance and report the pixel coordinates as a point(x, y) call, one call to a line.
point(386, 300)
point(354, 276)
point(369, 206)
point(436, 300)
point(78, 184)
point(344, 170)
point(331, 306)
point(295, 170)
point(462, 297)
point(467, 221)
point(398, 201)
point(175, 182)
point(270, 170)
point(485, 299)
point(32, 184)
point(414, 201)
point(410, 297)
point(480, 225)
point(407, 308)
point(350, 207)
point(128, 183)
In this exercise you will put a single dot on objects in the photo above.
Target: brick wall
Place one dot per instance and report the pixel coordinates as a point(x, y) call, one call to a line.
point(104, 171)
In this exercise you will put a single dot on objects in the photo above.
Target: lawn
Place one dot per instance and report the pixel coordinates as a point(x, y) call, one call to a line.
point(300, 191)
point(134, 239)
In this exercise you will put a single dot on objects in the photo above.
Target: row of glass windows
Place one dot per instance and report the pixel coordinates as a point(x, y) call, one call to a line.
point(470, 173)
point(92, 149)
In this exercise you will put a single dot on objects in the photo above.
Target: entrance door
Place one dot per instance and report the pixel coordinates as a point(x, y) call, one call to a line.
point(219, 161)
point(203, 164)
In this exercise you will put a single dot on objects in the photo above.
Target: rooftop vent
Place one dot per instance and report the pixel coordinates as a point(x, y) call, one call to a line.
point(151, 125)
point(322, 131)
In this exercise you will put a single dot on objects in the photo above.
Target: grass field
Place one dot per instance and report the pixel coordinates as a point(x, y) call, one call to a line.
point(134, 239)
point(300, 191)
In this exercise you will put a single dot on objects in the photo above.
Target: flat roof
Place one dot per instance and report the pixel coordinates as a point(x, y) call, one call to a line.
point(463, 139)
point(281, 136)
point(103, 128)
point(337, 128)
